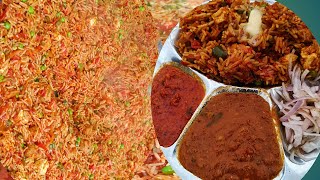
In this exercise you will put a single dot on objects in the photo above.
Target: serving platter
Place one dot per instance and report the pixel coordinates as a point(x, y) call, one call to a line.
point(169, 55)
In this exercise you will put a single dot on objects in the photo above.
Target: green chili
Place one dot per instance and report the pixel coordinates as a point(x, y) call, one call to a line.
point(218, 52)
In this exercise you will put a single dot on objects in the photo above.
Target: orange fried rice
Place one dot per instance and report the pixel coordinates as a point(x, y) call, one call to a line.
point(73, 88)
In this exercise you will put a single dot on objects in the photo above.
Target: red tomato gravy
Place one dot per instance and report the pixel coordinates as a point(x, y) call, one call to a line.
point(174, 98)
point(233, 137)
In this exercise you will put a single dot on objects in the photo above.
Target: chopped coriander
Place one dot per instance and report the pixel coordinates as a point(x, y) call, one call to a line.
point(36, 80)
point(23, 145)
point(1, 78)
point(43, 67)
point(24, 1)
point(91, 176)
point(31, 10)
point(7, 25)
point(78, 140)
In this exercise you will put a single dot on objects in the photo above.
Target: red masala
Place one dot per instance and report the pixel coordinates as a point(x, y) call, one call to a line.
point(174, 98)
point(233, 137)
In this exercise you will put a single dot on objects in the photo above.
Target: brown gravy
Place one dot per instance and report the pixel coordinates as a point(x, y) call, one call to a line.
point(233, 137)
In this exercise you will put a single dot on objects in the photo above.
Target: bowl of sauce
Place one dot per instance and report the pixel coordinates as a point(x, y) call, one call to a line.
point(176, 94)
point(233, 136)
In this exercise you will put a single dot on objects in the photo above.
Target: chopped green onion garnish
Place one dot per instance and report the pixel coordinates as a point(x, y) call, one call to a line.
point(56, 93)
point(69, 34)
point(63, 19)
point(121, 146)
point(120, 36)
point(32, 34)
point(7, 25)
point(312, 73)
point(91, 177)
point(20, 46)
point(141, 8)
point(218, 52)
point(52, 146)
point(58, 14)
point(8, 123)
point(64, 4)
point(80, 66)
point(24, 1)
point(127, 103)
point(43, 67)
point(70, 112)
point(78, 140)
point(95, 146)
point(109, 142)
point(31, 10)
point(167, 170)
point(258, 83)
point(60, 165)
point(23, 145)
point(40, 115)
point(2, 78)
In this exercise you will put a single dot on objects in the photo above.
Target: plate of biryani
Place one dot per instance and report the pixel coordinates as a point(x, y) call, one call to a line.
point(236, 93)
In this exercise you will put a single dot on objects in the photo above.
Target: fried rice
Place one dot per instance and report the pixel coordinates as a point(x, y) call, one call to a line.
point(73, 88)
point(257, 60)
